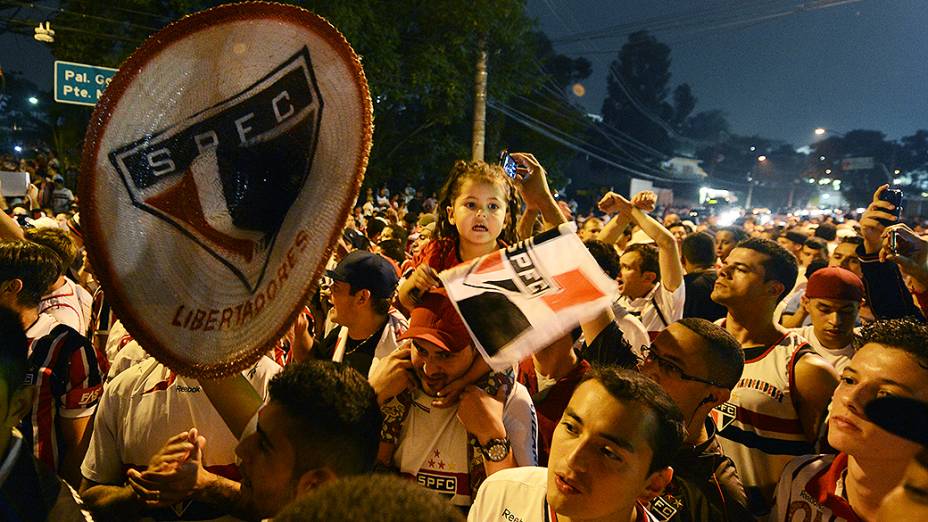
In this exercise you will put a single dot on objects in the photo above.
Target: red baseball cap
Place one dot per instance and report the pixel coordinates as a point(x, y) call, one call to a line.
point(835, 283)
point(436, 320)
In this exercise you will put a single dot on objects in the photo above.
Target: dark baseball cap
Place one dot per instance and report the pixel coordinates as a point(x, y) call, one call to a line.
point(366, 271)
point(796, 237)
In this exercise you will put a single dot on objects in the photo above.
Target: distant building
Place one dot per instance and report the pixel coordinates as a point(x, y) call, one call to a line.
point(683, 167)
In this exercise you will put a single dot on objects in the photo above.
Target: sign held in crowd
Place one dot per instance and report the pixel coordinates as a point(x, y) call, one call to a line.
point(520, 299)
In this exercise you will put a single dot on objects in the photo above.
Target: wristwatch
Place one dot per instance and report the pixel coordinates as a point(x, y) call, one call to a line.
point(496, 450)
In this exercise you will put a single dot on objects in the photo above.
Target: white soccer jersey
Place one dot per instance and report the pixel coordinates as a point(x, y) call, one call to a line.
point(519, 494)
point(70, 305)
point(812, 488)
point(433, 443)
point(147, 404)
point(759, 426)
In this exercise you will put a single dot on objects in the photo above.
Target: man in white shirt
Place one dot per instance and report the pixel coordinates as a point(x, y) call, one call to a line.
point(651, 278)
point(832, 300)
point(320, 423)
point(449, 450)
point(140, 409)
point(849, 487)
point(610, 454)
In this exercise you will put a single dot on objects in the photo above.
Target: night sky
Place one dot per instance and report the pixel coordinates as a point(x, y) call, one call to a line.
point(859, 64)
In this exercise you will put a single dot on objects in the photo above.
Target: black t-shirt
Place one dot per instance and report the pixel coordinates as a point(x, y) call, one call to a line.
point(698, 303)
point(359, 353)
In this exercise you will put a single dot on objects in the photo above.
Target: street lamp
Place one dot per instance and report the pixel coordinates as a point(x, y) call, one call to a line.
point(17, 148)
point(33, 100)
point(821, 131)
point(762, 158)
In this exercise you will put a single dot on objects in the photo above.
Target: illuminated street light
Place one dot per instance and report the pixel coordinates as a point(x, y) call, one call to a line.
point(897, 171)
point(821, 158)
point(821, 131)
point(17, 148)
point(827, 171)
point(762, 158)
point(753, 148)
point(33, 100)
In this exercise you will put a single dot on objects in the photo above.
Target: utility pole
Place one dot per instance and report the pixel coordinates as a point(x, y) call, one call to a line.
point(478, 143)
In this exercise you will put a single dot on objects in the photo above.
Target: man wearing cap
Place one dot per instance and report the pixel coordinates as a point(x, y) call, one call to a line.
point(849, 486)
point(832, 301)
point(361, 293)
point(449, 451)
point(793, 241)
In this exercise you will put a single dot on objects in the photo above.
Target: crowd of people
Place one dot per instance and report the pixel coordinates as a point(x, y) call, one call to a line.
point(755, 371)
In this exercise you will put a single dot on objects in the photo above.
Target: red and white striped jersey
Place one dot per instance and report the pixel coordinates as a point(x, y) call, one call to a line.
point(812, 488)
point(68, 375)
point(759, 426)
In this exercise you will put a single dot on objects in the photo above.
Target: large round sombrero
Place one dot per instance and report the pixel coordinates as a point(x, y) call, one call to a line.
point(218, 170)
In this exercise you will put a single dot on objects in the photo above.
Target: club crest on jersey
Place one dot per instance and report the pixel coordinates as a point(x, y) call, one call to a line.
point(665, 506)
point(724, 414)
point(227, 176)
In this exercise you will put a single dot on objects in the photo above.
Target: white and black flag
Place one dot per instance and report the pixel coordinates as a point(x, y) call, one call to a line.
point(520, 299)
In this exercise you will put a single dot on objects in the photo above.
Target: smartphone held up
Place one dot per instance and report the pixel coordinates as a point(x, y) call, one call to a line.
point(509, 164)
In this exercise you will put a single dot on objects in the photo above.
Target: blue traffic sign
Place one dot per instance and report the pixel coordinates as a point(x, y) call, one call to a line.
point(80, 83)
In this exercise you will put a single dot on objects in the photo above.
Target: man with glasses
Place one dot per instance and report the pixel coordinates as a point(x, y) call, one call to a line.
point(698, 363)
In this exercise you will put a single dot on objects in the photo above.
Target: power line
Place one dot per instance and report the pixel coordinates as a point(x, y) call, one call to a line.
point(575, 139)
point(598, 127)
point(534, 125)
point(558, 95)
point(657, 120)
point(82, 15)
point(699, 18)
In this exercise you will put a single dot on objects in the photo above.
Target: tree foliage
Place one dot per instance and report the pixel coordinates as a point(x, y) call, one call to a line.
point(638, 85)
point(419, 60)
point(549, 104)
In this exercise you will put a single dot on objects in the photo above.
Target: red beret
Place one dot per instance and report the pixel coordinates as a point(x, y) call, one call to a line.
point(835, 283)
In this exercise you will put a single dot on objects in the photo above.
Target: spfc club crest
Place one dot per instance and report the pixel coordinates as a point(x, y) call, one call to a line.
point(724, 414)
point(227, 176)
